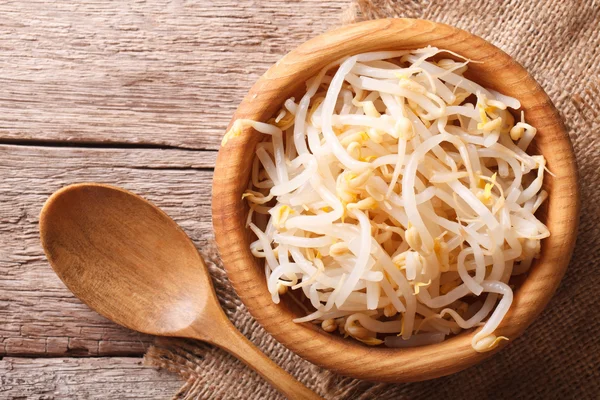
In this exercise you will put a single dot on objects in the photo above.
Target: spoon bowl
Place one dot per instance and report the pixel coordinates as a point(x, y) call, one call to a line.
point(102, 252)
point(129, 261)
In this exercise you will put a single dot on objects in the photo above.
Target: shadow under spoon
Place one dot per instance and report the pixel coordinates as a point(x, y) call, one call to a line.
point(130, 262)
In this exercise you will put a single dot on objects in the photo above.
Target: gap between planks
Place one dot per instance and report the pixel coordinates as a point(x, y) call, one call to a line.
point(97, 145)
point(162, 72)
point(40, 316)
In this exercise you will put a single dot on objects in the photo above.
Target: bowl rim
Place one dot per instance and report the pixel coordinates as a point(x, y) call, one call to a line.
point(349, 357)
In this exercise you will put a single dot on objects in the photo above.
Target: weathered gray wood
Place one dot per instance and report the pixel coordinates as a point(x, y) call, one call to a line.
point(38, 315)
point(83, 378)
point(165, 72)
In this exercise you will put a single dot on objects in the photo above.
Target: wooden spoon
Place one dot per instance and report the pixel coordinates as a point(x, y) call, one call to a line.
point(130, 262)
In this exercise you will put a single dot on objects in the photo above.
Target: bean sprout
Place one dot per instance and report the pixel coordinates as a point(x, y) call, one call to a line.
point(398, 196)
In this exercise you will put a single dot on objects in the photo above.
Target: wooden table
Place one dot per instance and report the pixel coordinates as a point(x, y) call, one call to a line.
point(132, 93)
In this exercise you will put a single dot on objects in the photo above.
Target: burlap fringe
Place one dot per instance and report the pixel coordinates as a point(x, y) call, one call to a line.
point(363, 10)
point(570, 35)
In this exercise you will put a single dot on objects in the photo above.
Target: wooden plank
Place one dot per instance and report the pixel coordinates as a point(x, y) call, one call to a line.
point(39, 315)
point(162, 72)
point(83, 378)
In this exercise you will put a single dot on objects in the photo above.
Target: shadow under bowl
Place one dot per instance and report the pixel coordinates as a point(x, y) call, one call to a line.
point(287, 77)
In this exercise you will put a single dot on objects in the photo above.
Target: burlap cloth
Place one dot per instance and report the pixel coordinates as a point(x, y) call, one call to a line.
point(558, 357)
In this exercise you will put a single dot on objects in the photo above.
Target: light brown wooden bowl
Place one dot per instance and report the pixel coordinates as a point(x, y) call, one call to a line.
point(287, 77)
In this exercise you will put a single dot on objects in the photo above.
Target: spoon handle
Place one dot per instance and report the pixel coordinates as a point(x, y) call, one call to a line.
point(231, 340)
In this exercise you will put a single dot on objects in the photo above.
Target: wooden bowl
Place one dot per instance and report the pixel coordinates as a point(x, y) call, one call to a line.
point(287, 77)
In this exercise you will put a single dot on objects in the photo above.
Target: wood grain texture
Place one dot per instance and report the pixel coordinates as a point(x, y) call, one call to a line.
point(497, 71)
point(164, 72)
point(39, 315)
point(83, 378)
point(130, 262)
